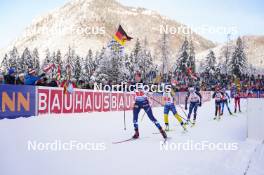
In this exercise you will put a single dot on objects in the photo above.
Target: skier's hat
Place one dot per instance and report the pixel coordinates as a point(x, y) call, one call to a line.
point(11, 71)
point(191, 89)
point(31, 71)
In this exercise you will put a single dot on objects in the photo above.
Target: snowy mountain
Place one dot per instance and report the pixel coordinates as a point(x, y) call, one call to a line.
point(85, 24)
point(254, 49)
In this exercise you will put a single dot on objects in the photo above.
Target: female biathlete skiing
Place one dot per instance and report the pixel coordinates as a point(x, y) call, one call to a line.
point(141, 102)
point(225, 101)
point(168, 102)
point(217, 95)
point(237, 97)
point(195, 99)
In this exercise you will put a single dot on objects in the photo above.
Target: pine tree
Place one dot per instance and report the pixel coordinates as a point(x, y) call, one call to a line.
point(47, 59)
point(68, 64)
point(146, 64)
point(186, 58)
point(35, 58)
point(183, 59)
point(99, 56)
point(77, 68)
point(210, 64)
point(238, 61)
point(53, 71)
point(136, 56)
point(134, 62)
point(130, 64)
point(164, 50)
point(111, 67)
point(226, 52)
point(88, 66)
point(58, 58)
point(13, 57)
point(192, 57)
point(26, 60)
point(58, 63)
point(140, 61)
point(4, 64)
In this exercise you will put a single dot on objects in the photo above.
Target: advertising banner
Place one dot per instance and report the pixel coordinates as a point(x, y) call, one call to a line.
point(17, 101)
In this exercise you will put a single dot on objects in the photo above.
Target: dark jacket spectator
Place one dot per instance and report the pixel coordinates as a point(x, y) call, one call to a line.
point(53, 83)
point(10, 78)
point(42, 82)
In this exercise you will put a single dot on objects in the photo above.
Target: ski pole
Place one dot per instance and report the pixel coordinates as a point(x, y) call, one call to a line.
point(124, 110)
point(143, 116)
point(183, 111)
point(144, 113)
point(185, 115)
point(179, 105)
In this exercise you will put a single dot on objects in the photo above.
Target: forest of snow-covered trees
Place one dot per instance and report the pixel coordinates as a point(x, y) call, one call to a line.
point(234, 63)
point(105, 65)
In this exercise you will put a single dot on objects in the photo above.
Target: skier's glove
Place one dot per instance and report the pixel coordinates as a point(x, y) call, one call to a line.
point(186, 108)
point(200, 104)
point(229, 100)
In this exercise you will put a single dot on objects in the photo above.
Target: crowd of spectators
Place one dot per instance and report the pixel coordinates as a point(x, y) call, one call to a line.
point(180, 81)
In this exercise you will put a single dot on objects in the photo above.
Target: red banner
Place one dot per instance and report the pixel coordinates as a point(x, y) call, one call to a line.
point(53, 100)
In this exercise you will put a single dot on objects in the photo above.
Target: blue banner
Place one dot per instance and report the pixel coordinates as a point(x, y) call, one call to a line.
point(17, 101)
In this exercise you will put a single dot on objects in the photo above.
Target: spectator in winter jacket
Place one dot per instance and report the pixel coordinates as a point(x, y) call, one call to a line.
point(31, 78)
point(10, 78)
point(20, 79)
point(53, 83)
point(42, 82)
point(2, 79)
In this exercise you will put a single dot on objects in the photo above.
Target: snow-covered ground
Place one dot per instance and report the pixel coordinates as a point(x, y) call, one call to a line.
point(140, 157)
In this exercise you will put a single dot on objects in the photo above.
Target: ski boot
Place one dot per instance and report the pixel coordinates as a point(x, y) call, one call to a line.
point(187, 122)
point(184, 128)
point(163, 133)
point(235, 111)
point(193, 123)
point(136, 135)
point(167, 127)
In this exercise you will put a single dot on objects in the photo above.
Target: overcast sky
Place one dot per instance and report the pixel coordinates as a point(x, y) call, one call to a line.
point(243, 17)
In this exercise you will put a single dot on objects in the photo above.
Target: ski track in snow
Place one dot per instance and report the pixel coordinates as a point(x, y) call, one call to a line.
point(139, 157)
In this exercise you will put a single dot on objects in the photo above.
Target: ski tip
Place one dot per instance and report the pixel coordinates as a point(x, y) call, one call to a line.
point(122, 141)
point(166, 139)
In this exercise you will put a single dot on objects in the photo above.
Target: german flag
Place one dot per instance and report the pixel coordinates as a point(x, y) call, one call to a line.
point(121, 37)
